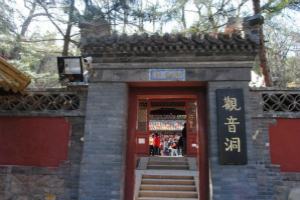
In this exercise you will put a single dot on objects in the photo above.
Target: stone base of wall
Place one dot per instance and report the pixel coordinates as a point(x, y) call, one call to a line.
point(18, 183)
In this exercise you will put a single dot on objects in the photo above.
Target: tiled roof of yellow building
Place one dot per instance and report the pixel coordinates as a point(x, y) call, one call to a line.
point(12, 78)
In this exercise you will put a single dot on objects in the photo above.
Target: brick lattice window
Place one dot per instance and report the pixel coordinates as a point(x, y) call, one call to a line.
point(40, 102)
point(281, 102)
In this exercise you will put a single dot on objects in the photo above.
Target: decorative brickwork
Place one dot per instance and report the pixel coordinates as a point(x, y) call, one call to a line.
point(40, 102)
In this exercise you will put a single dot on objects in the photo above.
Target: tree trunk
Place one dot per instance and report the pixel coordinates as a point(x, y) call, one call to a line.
point(67, 36)
point(183, 16)
point(14, 54)
point(264, 67)
point(125, 20)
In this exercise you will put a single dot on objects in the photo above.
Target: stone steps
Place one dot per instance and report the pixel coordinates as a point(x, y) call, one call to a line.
point(168, 194)
point(146, 176)
point(168, 182)
point(168, 187)
point(168, 163)
point(170, 167)
point(166, 178)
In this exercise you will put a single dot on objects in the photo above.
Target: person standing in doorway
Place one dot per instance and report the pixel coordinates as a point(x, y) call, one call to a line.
point(180, 146)
point(151, 148)
point(174, 148)
point(183, 135)
point(156, 144)
point(166, 147)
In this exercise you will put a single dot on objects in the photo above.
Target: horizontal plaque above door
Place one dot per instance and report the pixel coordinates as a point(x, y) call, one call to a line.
point(166, 74)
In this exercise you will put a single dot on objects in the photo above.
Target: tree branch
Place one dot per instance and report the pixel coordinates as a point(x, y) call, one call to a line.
point(75, 34)
point(74, 42)
point(35, 41)
point(50, 18)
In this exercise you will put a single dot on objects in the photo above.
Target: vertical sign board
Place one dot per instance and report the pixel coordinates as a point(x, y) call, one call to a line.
point(231, 127)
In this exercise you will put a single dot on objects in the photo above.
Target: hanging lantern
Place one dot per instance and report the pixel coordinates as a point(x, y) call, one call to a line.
point(177, 125)
point(168, 126)
point(150, 127)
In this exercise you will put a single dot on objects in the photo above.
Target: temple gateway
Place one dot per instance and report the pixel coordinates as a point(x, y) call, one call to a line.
point(97, 141)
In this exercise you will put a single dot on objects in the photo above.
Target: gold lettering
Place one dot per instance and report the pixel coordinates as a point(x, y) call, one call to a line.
point(231, 124)
point(230, 104)
point(233, 144)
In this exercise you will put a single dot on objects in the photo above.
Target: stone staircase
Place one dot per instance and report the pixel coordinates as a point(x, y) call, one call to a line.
point(166, 178)
point(168, 163)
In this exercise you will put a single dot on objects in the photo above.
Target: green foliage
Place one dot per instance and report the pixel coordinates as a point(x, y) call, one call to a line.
point(6, 25)
point(38, 80)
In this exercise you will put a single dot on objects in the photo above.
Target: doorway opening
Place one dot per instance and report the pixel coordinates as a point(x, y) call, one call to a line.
point(164, 110)
point(167, 127)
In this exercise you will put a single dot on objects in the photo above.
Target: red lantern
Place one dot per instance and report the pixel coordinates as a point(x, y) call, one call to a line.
point(150, 127)
point(177, 125)
point(168, 126)
point(158, 126)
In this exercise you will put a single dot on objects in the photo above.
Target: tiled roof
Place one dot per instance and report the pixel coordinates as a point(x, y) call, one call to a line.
point(11, 78)
point(136, 45)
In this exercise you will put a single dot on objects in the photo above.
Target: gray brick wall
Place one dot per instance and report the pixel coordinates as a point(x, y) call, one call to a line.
point(102, 172)
point(75, 157)
point(230, 181)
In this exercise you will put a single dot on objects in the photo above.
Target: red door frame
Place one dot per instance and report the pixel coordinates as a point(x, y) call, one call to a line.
point(136, 93)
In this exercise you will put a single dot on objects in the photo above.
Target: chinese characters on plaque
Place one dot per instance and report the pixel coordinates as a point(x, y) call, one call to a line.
point(166, 74)
point(231, 127)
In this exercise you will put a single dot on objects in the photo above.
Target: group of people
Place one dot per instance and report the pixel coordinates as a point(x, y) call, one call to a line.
point(171, 147)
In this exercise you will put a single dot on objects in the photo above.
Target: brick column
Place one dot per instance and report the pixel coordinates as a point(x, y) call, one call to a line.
point(230, 181)
point(102, 172)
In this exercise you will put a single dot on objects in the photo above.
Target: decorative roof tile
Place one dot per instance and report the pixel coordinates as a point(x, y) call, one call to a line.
point(209, 42)
point(11, 78)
